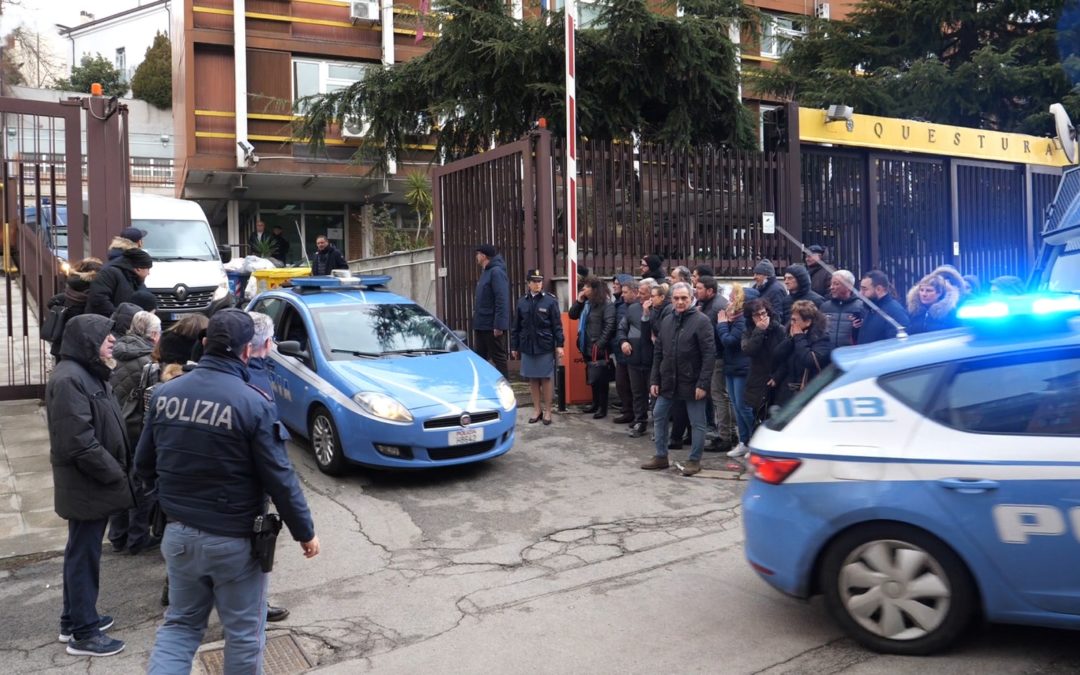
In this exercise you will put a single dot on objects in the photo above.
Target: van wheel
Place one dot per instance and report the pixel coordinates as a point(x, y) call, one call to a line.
point(326, 442)
point(897, 589)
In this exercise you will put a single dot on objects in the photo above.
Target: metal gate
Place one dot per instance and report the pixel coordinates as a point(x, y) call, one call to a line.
point(46, 226)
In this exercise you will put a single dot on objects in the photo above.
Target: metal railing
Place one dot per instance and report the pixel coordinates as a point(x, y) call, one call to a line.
point(145, 171)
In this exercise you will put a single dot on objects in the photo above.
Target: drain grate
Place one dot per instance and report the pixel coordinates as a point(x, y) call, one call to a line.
point(282, 657)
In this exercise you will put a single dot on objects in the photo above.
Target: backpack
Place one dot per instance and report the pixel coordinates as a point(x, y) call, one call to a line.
point(55, 318)
point(148, 381)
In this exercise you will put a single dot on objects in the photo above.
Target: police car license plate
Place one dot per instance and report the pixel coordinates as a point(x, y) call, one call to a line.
point(466, 436)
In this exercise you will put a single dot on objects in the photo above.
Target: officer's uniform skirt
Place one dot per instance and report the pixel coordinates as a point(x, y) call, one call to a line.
point(538, 366)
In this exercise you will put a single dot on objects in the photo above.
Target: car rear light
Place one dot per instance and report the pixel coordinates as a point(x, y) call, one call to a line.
point(773, 470)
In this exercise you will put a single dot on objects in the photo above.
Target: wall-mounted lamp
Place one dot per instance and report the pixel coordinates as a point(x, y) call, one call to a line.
point(841, 113)
point(164, 140)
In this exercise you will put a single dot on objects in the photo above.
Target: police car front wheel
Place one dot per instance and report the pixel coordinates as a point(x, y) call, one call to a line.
point(326, 442)
point(897, 589)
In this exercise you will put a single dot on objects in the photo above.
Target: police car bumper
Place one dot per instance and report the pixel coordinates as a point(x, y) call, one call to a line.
point(782, 533)
point(427, 445)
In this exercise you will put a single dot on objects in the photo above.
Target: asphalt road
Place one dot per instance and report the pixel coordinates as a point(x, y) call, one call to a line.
point(560, 557)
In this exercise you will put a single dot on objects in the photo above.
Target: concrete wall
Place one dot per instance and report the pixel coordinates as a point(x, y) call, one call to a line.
point(413, 274)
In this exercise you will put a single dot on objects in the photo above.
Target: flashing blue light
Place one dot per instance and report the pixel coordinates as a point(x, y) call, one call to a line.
point(1044, 307)
point(341, 282)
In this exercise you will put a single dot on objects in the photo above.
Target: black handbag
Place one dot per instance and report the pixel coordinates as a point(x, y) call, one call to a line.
point(596, 370)
point(53, 327)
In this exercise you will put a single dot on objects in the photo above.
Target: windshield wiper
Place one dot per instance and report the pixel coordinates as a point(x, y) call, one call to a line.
point(369, 355)
point(420, 350)
point(178, 257)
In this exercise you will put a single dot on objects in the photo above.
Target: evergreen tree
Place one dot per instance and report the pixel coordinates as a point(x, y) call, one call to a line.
point(94, 69)
point(152, 81)
point(992, 64)
point(489, 77)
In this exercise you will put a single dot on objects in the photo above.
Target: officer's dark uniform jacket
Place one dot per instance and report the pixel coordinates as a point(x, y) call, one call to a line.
point(215, 448)
point(537, 325)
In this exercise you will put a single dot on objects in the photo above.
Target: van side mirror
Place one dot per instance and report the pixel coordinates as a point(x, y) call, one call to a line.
point(462, 335)
point(292, 348)
point(225, 252)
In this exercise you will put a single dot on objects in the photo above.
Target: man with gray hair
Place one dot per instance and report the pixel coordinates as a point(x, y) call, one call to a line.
point(262, 343)
point(844, 310)
point(682, 369)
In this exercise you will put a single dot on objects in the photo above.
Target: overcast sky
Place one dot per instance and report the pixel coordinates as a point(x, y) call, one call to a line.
point(43, 15)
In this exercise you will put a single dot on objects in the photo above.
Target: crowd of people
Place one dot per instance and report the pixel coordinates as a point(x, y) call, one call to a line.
point(701, 361)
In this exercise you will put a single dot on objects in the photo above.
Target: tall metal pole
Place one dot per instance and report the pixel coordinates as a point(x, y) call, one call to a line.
point(571, 149)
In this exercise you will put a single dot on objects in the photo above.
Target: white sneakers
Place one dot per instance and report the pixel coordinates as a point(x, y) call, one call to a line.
point(739, 450)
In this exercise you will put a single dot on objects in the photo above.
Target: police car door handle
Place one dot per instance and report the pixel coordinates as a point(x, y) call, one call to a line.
point(968, 486)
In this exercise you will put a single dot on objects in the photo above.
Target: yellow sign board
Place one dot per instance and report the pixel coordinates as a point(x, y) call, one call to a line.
point(887, 133)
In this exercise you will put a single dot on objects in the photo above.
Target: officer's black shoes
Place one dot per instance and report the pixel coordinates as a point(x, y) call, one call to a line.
point(99, 645)
point(276, 613)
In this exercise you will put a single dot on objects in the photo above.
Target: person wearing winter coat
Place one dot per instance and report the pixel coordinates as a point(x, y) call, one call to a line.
point(797, 283)
point(804, 353)
point(130, 530)
point(876, 288)
point(759, 344)
point(652, 268)
point(129, 237)
point(74, 296)
point(89, 451)
point(634, 337)
point(117, 281)
point(767, 285)
point(595, 313)
point(932, 303)
point(819, 276)
point(327, 258)
point(122, 317)
point(731, 325)
point(625, 291)
point(682, 368)
point(491, 310)
point(844, 311)
point(537, 337)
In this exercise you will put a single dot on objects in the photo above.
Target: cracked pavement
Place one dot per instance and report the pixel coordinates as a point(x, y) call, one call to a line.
point(561, 556)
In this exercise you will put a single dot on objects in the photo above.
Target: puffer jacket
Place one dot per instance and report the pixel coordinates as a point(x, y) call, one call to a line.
point(75, 293)
point(797, 356)
point(729, 334)
point(491, 311)
point(599, 327)
point(122, 317)
point(760, 346)
point(88, 444)
point(804, 292)
point(684, 355)
point(841, 315)
point(939, 316)
point(131, 353)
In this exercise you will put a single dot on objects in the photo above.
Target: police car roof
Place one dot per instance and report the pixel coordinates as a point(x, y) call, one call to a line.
point(331, 297)
point(890, 356)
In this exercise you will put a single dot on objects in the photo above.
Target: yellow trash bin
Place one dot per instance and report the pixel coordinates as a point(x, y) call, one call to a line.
point(266, 280)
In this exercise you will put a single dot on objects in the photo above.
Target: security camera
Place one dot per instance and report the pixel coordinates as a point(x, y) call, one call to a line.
point(248, 148)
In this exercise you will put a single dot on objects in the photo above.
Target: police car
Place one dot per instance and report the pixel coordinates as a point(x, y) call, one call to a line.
point(371, 378)
point(919, 483)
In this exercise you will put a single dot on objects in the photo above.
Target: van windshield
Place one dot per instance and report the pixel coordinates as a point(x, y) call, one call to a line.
point(177, 239)
point(1065, 274)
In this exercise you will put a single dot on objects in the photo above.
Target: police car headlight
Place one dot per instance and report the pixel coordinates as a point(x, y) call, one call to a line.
point(506, 394)
point(222, 289)
point(382, 406)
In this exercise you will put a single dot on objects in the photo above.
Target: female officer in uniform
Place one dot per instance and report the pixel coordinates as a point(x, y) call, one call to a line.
point(537, 335)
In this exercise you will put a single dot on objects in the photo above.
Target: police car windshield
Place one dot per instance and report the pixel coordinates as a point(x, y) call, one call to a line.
point(353, 331)
point(779, 419)
point(177, 239)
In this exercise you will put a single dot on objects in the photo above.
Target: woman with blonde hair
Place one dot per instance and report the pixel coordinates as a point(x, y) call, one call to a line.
point(932, 303)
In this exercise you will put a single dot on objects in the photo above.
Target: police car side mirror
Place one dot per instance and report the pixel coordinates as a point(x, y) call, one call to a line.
point(292, 348)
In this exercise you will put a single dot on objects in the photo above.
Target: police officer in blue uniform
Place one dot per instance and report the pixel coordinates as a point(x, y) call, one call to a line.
point(537, 335)
point(215, 448)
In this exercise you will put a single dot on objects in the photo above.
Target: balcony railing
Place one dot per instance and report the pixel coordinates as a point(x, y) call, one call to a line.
point(145, 171)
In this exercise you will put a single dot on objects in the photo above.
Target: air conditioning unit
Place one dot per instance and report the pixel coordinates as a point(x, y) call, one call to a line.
point(364, 10)
point(821, 11)
point(354, 126)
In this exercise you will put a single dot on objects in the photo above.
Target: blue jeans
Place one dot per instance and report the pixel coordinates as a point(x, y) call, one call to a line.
point(744, 414)
point(82, 568)
point(695, 410)
point(208, 571)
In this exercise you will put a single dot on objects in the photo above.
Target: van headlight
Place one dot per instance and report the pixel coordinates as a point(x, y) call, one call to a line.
point(382, 406)
point(506, 394)
point(222, 289)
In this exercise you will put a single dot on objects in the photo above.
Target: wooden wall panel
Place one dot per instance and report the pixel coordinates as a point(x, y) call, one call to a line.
point(269, 79)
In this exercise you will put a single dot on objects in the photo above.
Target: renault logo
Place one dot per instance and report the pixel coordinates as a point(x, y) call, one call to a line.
point(181, 292)
point(466, 420)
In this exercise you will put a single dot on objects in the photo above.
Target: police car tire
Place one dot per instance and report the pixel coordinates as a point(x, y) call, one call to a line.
point(962, 601)
point(336, 465)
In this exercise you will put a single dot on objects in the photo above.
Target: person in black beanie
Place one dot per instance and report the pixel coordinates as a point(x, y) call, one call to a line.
point(491, 311)
point(651, 268)
point(146, 300)
point(118, 281)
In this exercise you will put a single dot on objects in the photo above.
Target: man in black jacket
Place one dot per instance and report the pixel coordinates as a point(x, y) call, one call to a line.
point(875, 288)
point(634, 338)
point(797, 283)
point(767, 285)
point(216, 450)
point(819, 276)
point(682, 368)
point(117, 281)
point(844, 310)
point(327, 258)
point(88, 449)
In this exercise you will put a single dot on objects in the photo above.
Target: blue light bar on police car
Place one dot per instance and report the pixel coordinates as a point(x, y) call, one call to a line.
point(341, 282)
point(1043, 305)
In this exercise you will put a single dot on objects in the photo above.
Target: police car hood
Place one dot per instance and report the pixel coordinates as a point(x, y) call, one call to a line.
point(457, 381)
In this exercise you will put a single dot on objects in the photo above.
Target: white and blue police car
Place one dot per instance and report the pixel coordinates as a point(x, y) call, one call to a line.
point(371, 378)
point(918, 483)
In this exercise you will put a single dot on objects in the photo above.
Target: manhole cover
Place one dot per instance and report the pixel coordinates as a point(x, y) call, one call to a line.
point(282, 657)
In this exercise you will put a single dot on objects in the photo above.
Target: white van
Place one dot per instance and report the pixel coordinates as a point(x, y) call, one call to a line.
point(187, 275)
